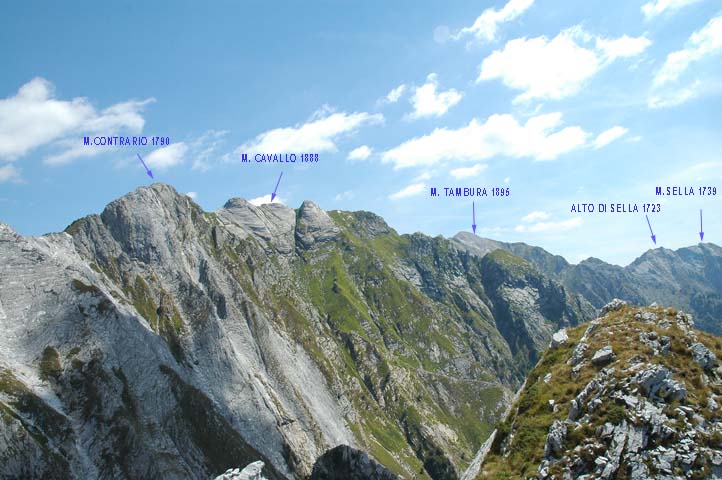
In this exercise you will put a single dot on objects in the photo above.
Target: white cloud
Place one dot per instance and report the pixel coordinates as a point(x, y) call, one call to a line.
point(347, 195)
point(192, 195)
point(556, 68)
point(507, 180)
point(361, 153)
point(501, 135)
point(166, 157)
point(427, 102)
point(394, 95)
point(410, 191)
point(671, 97)
point(656, 7)
point(622, 47)
point(468, 172)
point(9, 173)
point(485, 26)
point(317, 135)
point(535, 216)
point(705, 41)
point(72, 149)
point(554, 227)
point(609, 135)
point(34, 117)
point(258, 201)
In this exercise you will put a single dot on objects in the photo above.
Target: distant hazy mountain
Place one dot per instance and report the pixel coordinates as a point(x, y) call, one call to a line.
point(156, 340)
point(688, 278)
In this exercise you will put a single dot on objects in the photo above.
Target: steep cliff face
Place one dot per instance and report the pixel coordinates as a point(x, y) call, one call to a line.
point(634, 394)
point(158, 340)
point(688, 278)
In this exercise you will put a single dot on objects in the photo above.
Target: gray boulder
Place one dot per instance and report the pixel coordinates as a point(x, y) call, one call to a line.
point(702, 355)
point(603, 356)
point(559, 338)
point(555, 439)
point(613, 306)
point(254, 471)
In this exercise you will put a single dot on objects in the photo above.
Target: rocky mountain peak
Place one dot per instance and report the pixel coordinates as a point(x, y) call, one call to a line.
point(314, 225)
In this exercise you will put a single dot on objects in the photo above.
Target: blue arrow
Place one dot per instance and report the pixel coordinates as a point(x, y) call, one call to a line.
point(147, 170)
point(273, 195)
point(473, 218)
point(654, 238)
point(701, 230)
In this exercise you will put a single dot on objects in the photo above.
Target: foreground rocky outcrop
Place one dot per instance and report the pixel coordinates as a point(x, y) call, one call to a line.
point(635, 394)
point(156, 340)
point(346, 463)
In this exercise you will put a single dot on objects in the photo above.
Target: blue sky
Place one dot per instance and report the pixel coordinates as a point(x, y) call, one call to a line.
point(563, 104)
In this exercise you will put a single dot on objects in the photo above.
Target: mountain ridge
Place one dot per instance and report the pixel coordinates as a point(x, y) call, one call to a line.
point(289, 331)
point(652, 277)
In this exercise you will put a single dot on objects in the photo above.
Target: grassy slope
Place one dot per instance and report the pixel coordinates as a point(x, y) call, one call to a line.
point(531, 416)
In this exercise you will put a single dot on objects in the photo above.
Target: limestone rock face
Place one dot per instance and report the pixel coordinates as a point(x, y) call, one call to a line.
point(156, 340)
point(314, 225)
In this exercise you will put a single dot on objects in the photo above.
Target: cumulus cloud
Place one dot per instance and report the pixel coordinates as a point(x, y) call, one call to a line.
point(622, 47)
point(540, 137)
point(318, 134)
point(468, 172)
point(536, 216)
point(360, 153)
point(553, 227)
point(553, 69)
point(166, 157)
point(428, 102)
point(192, 195)
point(608, 136)
point(34, 117)
point(258, 201)
point(702, 43)
point(394, 95)
point(410, 191)
point(9, 173)
point(654, 8)
point(485, 27)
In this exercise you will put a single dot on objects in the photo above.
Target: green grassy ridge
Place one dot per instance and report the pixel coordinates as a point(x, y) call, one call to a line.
point(352, 285)
point(531, 416)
